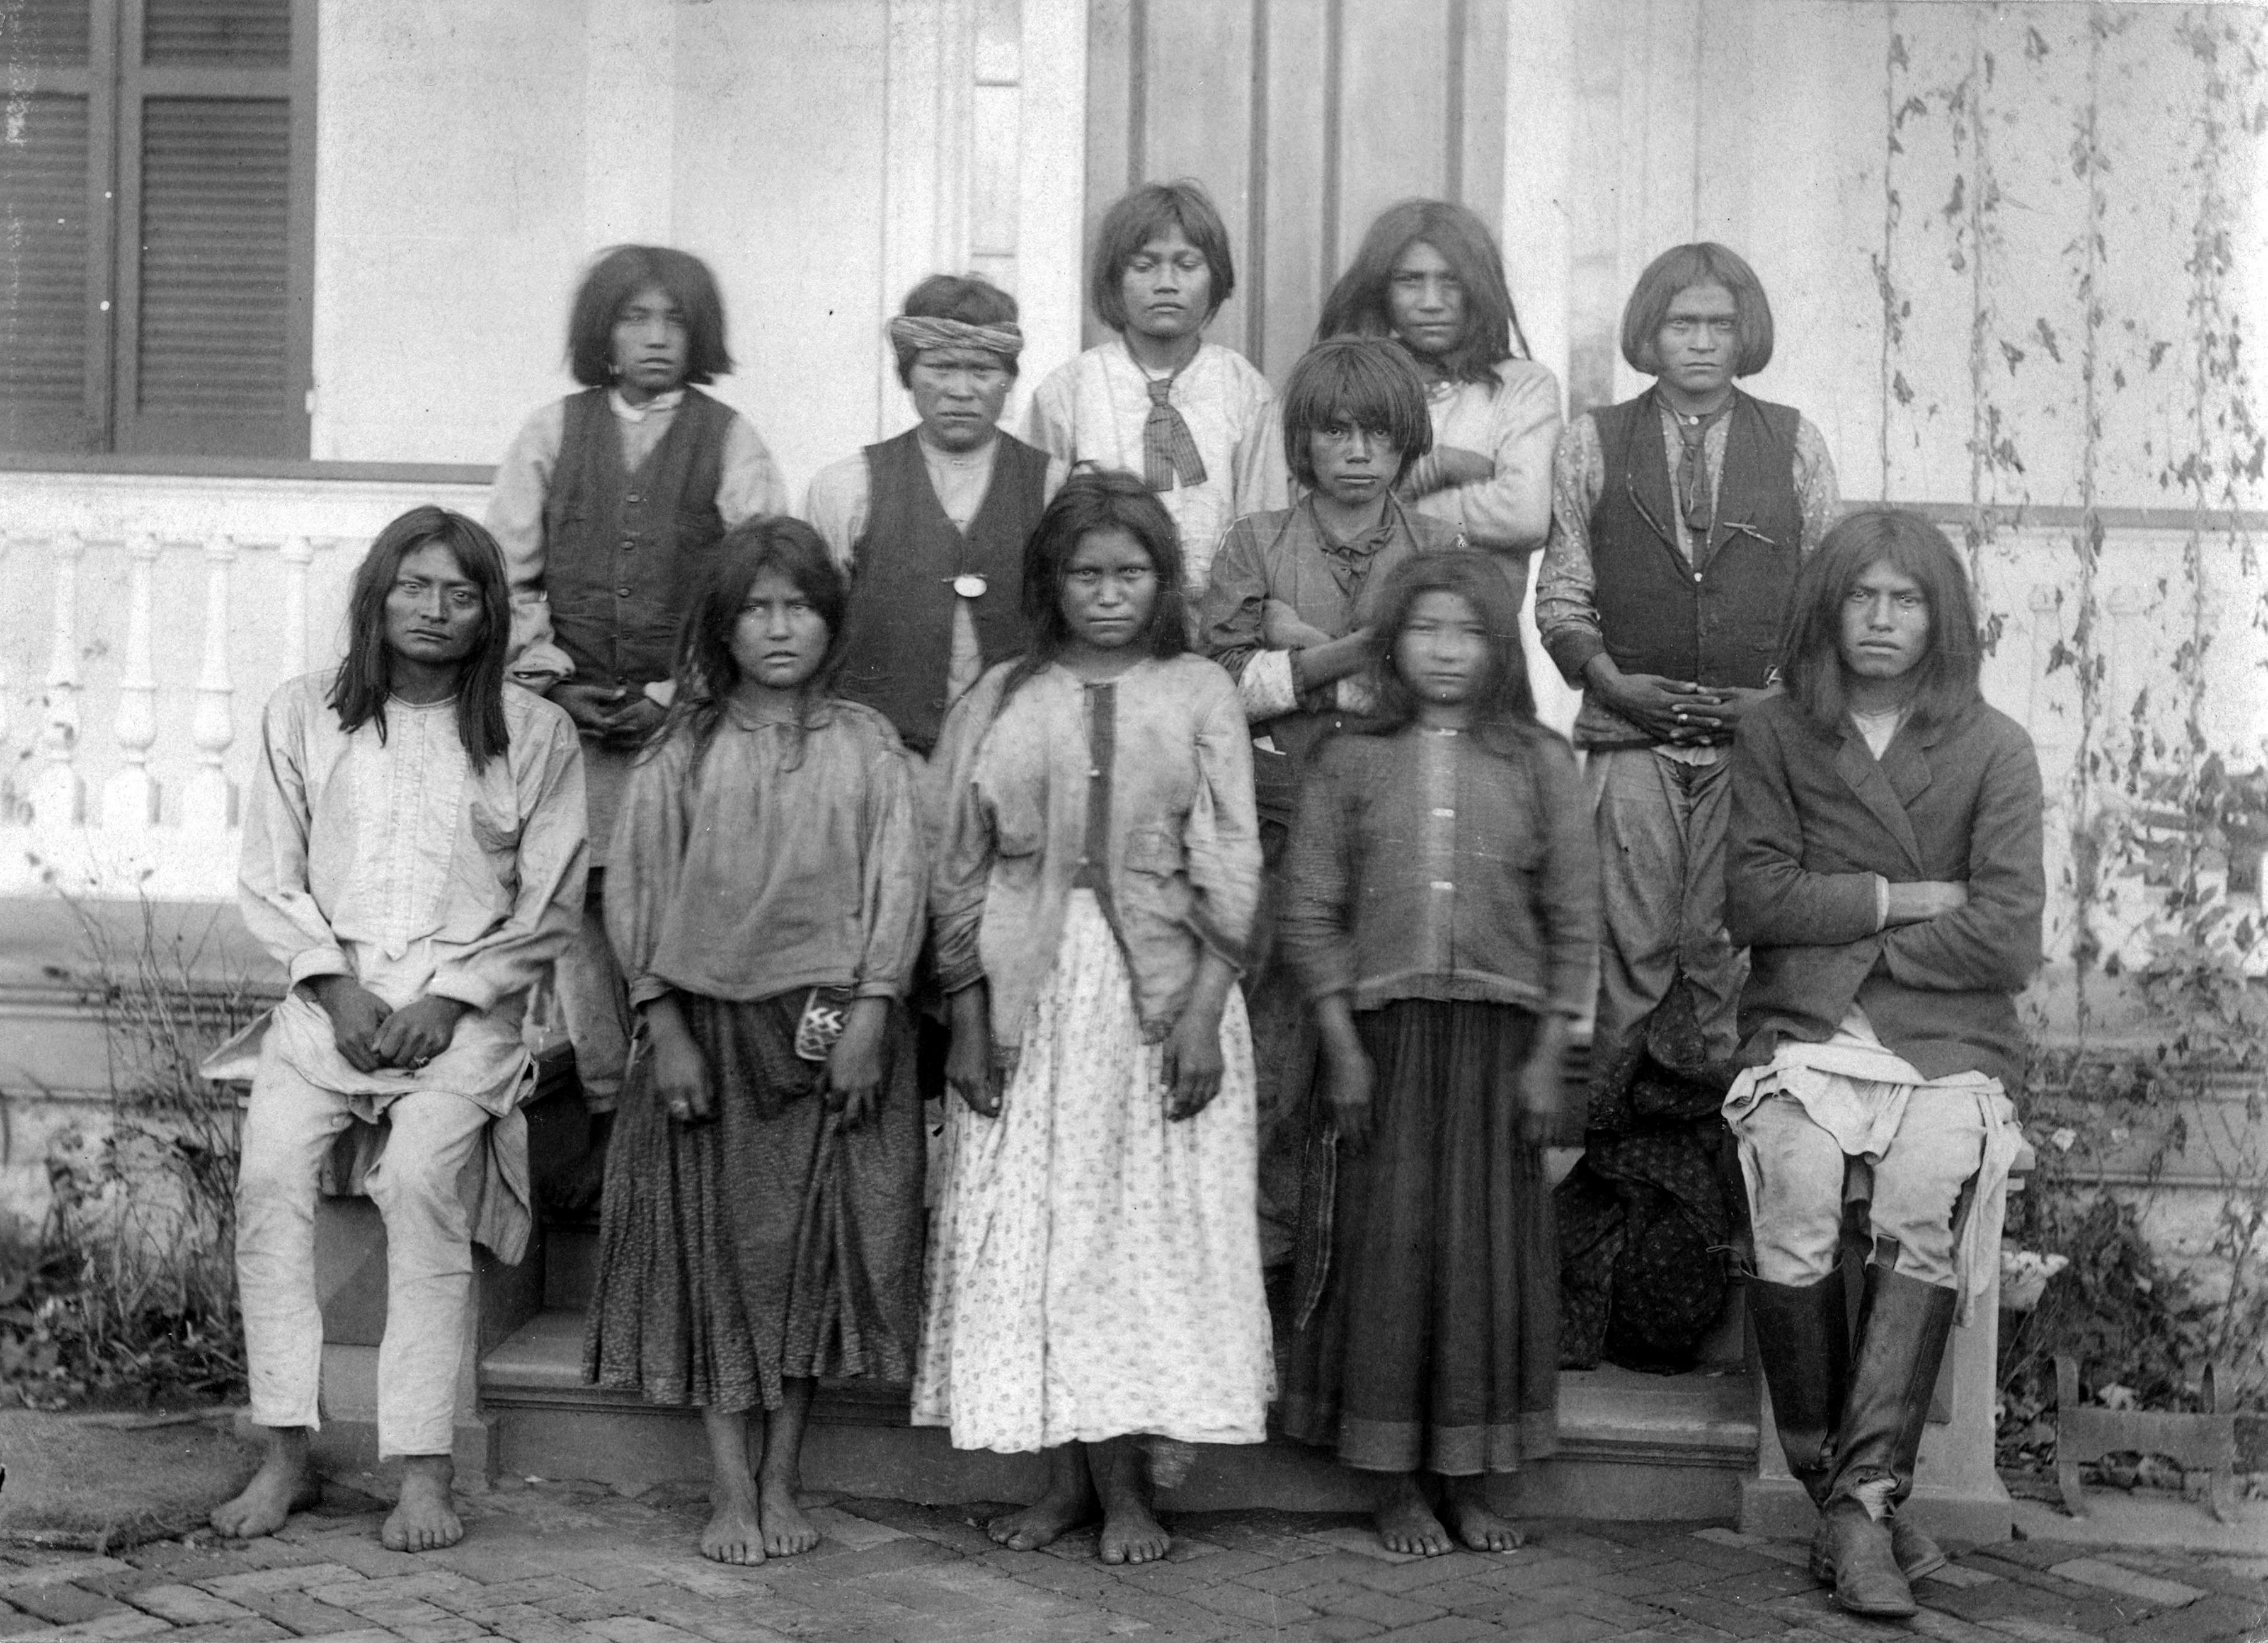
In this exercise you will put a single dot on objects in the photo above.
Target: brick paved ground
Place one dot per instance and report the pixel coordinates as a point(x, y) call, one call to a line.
point(575, 1564)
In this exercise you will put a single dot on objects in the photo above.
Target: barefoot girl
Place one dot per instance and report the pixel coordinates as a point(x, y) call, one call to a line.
point(1293, 593)
point(1429, 275)
point(1095, 1270)
point(1442, 890)
point(763, 1216)
point(1193, 418)
point(607, 506)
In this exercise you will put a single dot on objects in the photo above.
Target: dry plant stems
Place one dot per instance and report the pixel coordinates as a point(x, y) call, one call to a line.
point(128, 1294)
point(2158, 827)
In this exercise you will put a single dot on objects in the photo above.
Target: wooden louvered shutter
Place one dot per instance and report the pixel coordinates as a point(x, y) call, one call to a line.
point(55, 257)
point(214, 166)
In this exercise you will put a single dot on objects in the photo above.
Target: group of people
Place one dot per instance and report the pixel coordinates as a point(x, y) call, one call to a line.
point(1163, 794)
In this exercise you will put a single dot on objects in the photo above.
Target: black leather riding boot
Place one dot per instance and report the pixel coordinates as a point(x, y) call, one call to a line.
point(1804, 1340)
point(1902, 1327)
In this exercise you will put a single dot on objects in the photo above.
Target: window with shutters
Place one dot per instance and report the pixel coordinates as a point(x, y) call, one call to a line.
point(156, 226)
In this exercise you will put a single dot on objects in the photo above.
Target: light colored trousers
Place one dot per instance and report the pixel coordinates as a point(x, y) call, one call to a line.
point(416, 1183)
point(1796, 1187)
point(1661, 826)
point(596, 1001)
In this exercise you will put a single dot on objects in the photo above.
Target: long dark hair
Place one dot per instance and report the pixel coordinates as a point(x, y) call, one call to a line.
point(1358, 303)
point(1504, 714)
point(1090, 502)
point(1811, 660)
point(704, 667)
point(365, 679)
point(618, 275)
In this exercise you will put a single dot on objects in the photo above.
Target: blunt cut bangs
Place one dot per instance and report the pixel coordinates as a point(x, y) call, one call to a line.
point(619, 275)
point(704, 669)
point(1680, 268)
point(1365, 380)
point(365, 679)
point(1811, 663)
point(1140, 216)
point(968, 297)
point(1359, 304)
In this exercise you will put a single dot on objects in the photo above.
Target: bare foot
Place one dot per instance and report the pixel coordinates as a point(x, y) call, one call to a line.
point(284, 1483)
point(786, 1530)
point(733, 1533)
point(1406, 1523)
point(1068, 1503)
point(1464, 1503)
point(1130, 1532)
point(425, 1518)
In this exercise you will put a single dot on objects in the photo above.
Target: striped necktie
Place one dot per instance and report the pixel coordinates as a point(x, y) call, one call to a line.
point(1169, 451)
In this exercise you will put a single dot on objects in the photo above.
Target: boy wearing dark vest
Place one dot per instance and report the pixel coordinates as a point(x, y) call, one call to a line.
point(1679, 520)
point(931, 524)
point(606, 506)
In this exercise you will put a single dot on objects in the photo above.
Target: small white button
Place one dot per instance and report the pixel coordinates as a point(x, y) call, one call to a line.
point(1093, 771)
point(1444, 813)
point(1697, 575)
point(1443, 884)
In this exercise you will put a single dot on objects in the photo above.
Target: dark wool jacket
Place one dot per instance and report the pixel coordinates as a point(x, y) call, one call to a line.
point(1816, 817)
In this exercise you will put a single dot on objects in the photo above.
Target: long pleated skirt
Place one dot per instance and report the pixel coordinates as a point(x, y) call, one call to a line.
point(1094, 1271)
point(1429, 1278)
point(770, 1241)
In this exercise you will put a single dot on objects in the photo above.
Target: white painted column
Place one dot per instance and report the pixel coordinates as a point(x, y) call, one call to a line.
point(129, 798)
point(1540, 188)
point(925, 178)
point(58, 795)
point(1051, 194)
point(298, 554)
point(209, 803)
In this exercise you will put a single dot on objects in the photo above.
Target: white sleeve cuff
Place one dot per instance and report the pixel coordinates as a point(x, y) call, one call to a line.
point(1882, 903)
point(1265, 686)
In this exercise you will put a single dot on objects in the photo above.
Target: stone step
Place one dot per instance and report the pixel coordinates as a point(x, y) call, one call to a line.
point(1631, 1445)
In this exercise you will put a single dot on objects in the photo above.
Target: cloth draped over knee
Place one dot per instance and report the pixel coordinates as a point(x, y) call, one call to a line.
point(1857, 1091)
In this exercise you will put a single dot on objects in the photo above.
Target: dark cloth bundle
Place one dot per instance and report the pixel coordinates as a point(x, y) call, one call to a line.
point(1645, 1219)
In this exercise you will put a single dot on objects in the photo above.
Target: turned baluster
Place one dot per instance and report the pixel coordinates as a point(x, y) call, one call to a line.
point(58, 796)
point(298, 553)
point(209, 803)
point(129, 798)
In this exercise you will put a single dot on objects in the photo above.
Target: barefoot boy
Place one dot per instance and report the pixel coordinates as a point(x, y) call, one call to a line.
point(415, 859)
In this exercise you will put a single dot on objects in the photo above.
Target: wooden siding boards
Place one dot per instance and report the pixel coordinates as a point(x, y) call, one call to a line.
point(1304, 119)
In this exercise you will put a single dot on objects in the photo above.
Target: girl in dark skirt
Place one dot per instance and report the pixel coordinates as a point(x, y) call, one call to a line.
point(1441, 902)
point(762, 1222)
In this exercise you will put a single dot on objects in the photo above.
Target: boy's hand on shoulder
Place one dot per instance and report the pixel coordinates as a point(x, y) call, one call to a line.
point(357, 1014)
point(853, 1082)
point(419, 1031)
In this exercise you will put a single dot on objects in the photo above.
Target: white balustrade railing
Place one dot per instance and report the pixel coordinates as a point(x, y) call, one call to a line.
point(173, 607)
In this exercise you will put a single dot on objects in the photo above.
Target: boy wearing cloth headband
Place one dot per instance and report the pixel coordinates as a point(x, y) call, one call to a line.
point(931, 524)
